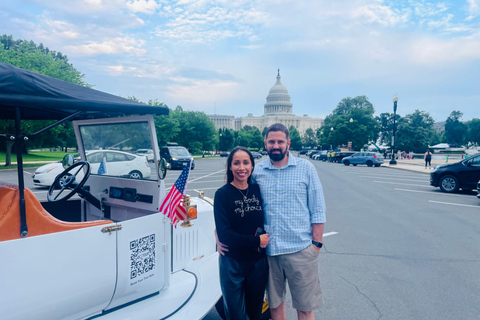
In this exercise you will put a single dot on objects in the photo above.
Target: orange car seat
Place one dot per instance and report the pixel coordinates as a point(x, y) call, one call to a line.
point(39, 221)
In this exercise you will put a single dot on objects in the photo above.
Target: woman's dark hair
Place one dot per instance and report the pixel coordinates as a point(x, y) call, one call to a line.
point(229, 163)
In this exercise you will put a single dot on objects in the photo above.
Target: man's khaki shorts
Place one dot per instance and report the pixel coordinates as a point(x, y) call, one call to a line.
point(300, 269)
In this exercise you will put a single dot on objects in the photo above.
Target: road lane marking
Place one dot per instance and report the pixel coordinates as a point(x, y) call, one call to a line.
point(432, 192)
point(403, 184)
point(455, 204)
point(27, 172)
point(409, 179)
point(330, 234)
point(388, 175)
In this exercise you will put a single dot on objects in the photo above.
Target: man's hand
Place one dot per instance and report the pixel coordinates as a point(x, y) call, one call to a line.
point(316, 249)
point(264, 240)
point(221, 248)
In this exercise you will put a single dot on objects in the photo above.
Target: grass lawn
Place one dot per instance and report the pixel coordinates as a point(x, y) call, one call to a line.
point(34, 156)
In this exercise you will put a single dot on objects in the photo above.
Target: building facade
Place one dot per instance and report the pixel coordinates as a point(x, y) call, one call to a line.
point(277, 109)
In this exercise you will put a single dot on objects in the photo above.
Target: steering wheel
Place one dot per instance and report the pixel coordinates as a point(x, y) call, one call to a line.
point(67, 181)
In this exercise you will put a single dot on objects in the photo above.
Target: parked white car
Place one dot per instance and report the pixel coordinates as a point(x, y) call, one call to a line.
point(45, 175)
point(119, 164)
point(147, 153)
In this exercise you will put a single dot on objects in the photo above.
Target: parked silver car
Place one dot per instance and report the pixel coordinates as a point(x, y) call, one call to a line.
point(368, 158)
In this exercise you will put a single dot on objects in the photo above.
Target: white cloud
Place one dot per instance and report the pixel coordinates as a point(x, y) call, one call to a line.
point(201, 91)
point(473, 9)
point(213, 24)
point(381, 14)
point(431, 51)
point(116, 45)
point(143, 6)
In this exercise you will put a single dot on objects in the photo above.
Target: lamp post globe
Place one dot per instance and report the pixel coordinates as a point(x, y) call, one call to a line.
point(395, 100)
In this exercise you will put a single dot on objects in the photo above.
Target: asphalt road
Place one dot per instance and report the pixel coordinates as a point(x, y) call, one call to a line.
point(395, 248)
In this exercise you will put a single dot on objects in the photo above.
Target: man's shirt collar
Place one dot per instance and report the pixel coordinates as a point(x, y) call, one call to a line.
point(292, 161)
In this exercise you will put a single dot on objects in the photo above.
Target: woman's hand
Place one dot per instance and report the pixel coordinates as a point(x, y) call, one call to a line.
point(264, 240)
point(221, 248)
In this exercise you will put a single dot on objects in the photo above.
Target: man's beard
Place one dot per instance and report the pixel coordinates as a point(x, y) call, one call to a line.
point(277, 156)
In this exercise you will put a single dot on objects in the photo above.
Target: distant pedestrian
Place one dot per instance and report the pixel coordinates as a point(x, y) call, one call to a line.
point(410, 155)
point(428, 159)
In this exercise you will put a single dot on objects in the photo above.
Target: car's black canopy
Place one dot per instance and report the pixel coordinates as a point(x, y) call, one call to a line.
point(41, 97)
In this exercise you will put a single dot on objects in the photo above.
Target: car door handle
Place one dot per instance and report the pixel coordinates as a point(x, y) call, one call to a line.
point(111, 229)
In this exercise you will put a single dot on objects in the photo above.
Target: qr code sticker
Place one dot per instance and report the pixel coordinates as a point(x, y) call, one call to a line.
point(142, 256)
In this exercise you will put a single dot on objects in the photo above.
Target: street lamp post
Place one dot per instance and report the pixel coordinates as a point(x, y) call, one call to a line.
point(333, 142)
point(351, 144)
point(395, 99)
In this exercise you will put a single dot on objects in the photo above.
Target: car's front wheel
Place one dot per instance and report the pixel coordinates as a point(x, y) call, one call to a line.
point(449, 184)
point(135, 175)
point(346, 162)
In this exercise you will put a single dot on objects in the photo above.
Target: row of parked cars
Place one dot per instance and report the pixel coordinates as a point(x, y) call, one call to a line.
point(369, 159)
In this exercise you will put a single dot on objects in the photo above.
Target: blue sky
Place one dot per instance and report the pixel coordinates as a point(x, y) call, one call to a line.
point(222, 56)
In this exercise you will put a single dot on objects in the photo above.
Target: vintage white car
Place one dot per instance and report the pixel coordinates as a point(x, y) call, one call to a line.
point(109, 254)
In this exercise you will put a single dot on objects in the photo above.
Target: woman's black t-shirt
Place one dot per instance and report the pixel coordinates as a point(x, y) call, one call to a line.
point(237, 219)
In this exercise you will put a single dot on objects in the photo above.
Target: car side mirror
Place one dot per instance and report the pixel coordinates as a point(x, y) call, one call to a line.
point(67, 161)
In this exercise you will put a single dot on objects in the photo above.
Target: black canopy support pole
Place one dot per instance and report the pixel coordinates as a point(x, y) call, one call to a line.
point(21, 184)
point(56, 123)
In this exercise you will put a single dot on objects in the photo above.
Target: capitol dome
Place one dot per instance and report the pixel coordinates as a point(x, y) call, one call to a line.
point(278, 100)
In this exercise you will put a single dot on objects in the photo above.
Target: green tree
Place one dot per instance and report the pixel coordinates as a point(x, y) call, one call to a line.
point(414, 132)
point(196, 131)
point(339, 130)
point(309, 138)
point(348, 104)
point(27, 55)
point(473, 133)
point(226, 139)
point(455, 130)
point(295, 139)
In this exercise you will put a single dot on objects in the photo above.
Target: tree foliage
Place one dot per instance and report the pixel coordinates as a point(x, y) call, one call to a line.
point(309, 138)
point(346, 105)
point(295, 139)
point(27, 55)
point(415, 132)
point(455, 130)
point(339, 130)
point(473, 132)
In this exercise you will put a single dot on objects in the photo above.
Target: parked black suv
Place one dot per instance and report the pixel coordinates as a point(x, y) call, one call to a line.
point(452, 176)
point(176, 156)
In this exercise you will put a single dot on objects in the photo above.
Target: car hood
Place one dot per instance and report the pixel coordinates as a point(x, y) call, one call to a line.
point(48, 166)
point(183, 157)
point(443, 165)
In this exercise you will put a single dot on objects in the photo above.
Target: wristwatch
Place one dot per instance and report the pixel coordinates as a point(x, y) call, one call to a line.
point(317, 244)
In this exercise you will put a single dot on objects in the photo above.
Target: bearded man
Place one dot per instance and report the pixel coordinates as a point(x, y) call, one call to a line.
point(294, 209)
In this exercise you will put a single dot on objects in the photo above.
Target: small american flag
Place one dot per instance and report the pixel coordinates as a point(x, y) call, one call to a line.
point(172, 206)
point(102, 169)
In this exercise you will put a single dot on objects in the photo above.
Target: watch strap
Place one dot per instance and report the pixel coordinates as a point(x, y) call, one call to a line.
point(318, 244)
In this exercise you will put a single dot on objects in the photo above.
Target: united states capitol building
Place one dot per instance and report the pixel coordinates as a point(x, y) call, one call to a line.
point(277, 109)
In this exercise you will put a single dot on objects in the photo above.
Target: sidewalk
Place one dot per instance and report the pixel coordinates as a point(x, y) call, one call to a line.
point(415, 165)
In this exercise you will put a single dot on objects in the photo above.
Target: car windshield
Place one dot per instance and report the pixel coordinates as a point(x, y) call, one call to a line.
point(179, 152)
point(115, 145)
